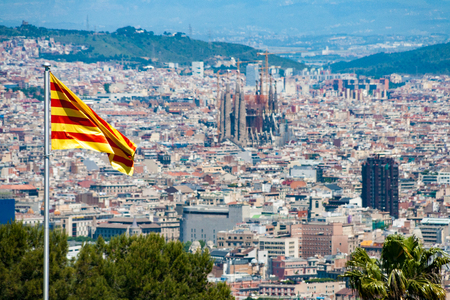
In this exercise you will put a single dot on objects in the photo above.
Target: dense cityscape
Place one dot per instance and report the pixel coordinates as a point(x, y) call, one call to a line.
point(280, 175)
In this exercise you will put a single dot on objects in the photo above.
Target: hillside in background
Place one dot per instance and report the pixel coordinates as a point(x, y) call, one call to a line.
point(141, 47)
point(427, 60)
point(243, 18)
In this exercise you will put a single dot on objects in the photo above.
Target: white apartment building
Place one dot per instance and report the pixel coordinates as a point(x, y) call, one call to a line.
point(285, 246)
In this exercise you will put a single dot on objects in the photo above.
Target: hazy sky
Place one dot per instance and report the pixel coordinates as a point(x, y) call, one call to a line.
point(236, 16)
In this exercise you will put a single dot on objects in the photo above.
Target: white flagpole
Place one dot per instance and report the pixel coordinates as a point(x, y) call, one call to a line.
point(46, 176)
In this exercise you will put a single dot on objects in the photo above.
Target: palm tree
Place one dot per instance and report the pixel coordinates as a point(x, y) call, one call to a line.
point(405, 271)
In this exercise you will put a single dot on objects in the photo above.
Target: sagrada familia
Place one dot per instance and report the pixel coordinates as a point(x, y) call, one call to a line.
point(255, 119)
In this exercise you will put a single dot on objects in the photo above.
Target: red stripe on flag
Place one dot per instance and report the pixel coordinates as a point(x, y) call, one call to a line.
point(72, 120)
point(114, 145)
point(61, 89)
point(127, 162)
point(56, 87)
point(109, 128)
point(61, 135)
point(63, 104)
point(104, 123)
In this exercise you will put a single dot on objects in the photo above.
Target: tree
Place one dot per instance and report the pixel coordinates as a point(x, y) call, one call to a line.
point(106, 87)
point(136, 267)
point(89, 282)
point(405, 270)
point(186, 246)
point(146, 267)
point(22, 263)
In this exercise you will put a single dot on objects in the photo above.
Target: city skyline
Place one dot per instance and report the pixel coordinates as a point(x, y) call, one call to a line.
point(273, 175)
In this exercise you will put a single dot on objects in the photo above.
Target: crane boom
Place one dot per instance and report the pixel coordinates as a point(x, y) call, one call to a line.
point(239, 62)
point(266, 71)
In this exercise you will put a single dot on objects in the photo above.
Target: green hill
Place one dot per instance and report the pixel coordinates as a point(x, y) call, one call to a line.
point(141, 46)
point(427, 60)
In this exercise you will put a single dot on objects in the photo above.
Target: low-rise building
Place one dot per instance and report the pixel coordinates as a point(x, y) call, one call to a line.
point(434, 230)
point(293, 268)
point(279, 246)
point(236, 238)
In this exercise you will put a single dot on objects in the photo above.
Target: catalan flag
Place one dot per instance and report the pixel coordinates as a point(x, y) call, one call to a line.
point(76, 125)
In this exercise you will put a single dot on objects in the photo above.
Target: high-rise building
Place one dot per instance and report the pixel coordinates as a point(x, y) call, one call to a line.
point(252, 74)
point(380, 184)
point(197, 68)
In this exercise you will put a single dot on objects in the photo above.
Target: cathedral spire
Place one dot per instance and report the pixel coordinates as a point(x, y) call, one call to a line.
point(275, 100)
point(227, 112)
point(270, 101)
point(242, 138)
point(237, 96)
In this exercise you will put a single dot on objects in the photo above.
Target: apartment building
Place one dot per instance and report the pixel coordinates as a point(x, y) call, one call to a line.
point(236, 238)
point(293, 268)
point(279, 246)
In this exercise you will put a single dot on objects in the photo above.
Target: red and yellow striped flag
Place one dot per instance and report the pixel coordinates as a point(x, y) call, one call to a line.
point(76, 125)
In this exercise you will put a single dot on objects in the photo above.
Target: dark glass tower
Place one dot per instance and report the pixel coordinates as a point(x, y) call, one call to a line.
point(380, 184)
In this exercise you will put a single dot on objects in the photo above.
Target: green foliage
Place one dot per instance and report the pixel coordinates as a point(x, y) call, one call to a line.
point(137, 267)
point(432, 59)
point(186, 246)
point(106, 87)
point(21, 263)
point(80, 239)
point(35, 92)
point(405, 271)
point(395, 85)
point(289, 281)
point(202, 243)
point(142, 47)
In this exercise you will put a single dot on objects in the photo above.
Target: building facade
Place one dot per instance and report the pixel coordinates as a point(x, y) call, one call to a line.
point(236, 238)
point(320, 238)
point(380, 184)
point(197, 68)
point(434, 230)
point(7, 210)
point(293, 268)
point(252, 74)
point(204, 222)
point(283, 246)
point(81, 224)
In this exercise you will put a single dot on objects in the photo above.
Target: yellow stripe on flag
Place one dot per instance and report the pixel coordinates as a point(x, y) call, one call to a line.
point(76, 125)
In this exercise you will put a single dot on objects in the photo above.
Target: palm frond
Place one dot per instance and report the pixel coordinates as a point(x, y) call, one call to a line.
point(396, 284)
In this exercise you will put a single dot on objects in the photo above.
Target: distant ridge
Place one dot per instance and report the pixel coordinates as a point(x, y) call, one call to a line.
point(141, 47)
point(433, 59)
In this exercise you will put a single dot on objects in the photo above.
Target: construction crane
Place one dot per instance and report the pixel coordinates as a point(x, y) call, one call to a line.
point(239, 62)
point(238, 65)
point(266, 71)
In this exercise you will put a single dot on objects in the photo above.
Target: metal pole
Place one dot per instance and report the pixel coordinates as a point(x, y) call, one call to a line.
point(46, 176)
